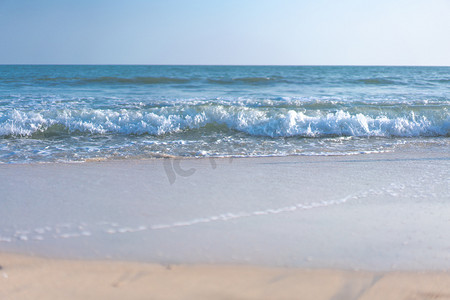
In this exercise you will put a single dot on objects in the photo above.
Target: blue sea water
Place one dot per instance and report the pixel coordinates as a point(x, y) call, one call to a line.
point(77, 113)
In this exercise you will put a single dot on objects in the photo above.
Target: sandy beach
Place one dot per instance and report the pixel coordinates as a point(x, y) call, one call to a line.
point(24, 277)
point(372, 226)
point(224, 150)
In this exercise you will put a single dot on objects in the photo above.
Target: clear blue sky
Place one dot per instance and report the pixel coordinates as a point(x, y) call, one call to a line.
point(286, 32)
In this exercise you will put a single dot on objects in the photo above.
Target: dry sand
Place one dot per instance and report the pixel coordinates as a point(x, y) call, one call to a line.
point(25, 277)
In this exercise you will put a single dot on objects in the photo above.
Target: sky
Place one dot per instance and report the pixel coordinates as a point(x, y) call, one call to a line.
point(225, 32)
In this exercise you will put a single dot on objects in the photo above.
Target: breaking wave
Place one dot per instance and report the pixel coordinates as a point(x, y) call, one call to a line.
point(254, 121)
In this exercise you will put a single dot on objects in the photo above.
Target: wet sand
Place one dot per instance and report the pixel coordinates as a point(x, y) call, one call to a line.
point(372, 226)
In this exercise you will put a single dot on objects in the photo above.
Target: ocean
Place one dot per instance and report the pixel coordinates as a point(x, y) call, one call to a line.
point(76, 113)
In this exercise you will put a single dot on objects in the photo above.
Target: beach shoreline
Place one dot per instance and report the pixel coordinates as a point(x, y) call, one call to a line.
point(381, 212)
point(372, 226)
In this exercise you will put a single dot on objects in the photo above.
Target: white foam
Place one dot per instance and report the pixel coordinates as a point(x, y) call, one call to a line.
point(251, 120)
point(68, 230)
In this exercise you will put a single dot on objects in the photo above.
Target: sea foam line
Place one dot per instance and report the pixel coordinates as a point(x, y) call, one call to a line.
point(69, 230)
point(270, 211)
point(82, 229)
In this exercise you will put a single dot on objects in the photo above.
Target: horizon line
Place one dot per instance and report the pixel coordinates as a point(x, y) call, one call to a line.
point(219, 65)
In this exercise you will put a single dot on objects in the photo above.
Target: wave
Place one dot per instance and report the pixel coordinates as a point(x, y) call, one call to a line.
point(159, 80)
point(137, 80)
point(253, 121)
point(257, 80)
point(247, 80)
point(115, 80)
point(446, 80)
point(377, 81)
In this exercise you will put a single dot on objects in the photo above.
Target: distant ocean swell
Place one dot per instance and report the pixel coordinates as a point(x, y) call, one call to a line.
point(113, 80)
point(254, 121)
point(139, 80)
point(257, 80)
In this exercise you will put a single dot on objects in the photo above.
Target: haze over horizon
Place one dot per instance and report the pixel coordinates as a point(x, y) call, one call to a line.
point(201, 32)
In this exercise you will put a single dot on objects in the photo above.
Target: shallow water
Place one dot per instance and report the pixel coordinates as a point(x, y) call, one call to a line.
point(383, 211)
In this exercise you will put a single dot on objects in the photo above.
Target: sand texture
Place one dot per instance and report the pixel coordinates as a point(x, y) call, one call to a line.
point(365, 227)
point(25, 277)
point(379, 212)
